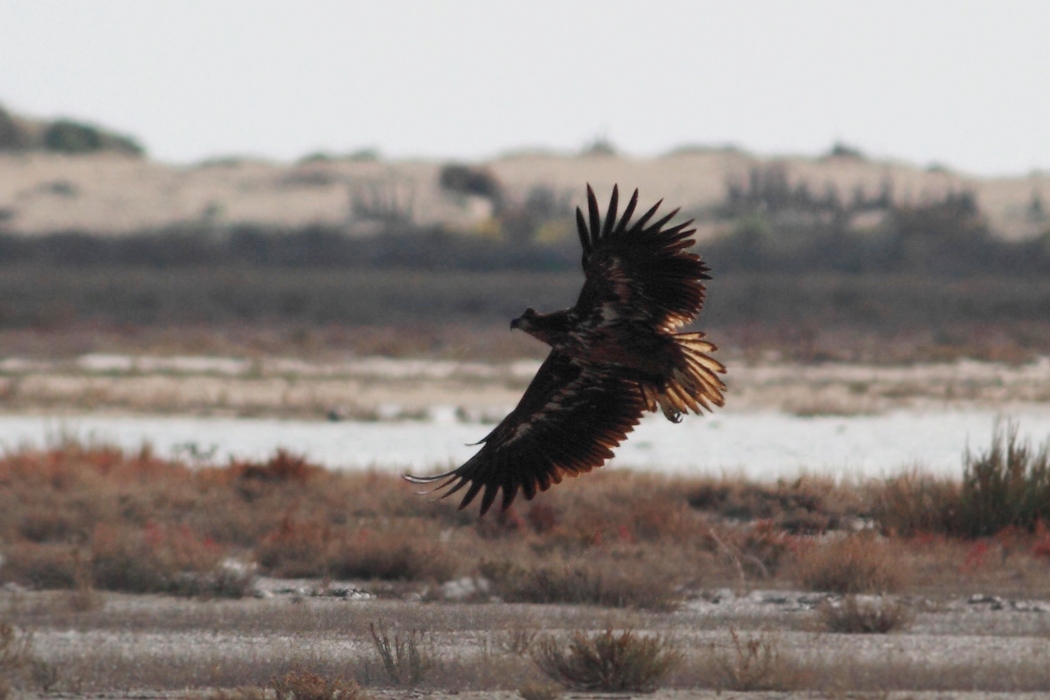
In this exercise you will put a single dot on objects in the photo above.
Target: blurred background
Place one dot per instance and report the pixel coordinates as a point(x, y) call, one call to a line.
point(869, 180)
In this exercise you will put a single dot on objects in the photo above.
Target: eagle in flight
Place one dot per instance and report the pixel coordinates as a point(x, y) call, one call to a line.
point(614, 356)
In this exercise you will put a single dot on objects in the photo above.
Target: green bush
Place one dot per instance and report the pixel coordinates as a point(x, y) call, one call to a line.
point(1007, 486)
point(68, 136)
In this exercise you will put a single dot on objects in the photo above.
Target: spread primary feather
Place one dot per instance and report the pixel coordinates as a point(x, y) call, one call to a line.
point(614, 355)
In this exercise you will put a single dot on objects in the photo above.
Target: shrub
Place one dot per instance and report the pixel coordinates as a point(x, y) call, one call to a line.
point(598, 582)
point(389, 556)
point(67, 136)
point(16, 654)
point(153, 559)
point(864, 615)
point(756, 663)
point(300, 684)
point(283, 467)
point(404, 657)
point(806, 505)
point(39, 565)
point(465, 179)
point(13, 136)
point(296, 549)
point(517, 640)
point(856, 563)
point(608, 661)
point(1009, 485)
point(915, 503)
point(84, 597)
point(303, 548)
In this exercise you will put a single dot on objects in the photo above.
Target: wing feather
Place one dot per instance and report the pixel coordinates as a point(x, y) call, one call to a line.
point(567, 422)
point(643, 270)
point(596, 218)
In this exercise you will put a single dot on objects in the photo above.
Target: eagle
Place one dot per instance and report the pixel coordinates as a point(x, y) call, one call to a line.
point(614, 356)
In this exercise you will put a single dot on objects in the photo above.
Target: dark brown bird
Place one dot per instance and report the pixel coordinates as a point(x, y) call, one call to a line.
point(614, 355)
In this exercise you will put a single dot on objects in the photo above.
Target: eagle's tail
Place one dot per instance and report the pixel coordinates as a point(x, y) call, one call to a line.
point(693, 383)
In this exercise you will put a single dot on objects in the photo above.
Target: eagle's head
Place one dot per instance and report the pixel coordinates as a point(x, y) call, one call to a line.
point(525, 321)
point(554, 329)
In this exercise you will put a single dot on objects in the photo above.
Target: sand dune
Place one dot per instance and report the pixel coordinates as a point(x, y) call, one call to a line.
point(115, 194)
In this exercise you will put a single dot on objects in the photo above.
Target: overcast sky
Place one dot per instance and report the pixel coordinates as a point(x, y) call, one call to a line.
point(965, 84)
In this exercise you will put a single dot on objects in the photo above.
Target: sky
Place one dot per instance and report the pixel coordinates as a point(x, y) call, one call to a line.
point(954, 82)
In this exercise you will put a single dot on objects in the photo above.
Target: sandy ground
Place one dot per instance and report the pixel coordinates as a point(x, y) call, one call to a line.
point(162, 642)
point(114, 194)
point(370, 388)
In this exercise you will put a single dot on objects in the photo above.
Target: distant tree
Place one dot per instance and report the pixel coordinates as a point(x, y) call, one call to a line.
point(12, 137)
point(466, 179)
point(600, 146)
point(1036, 213)
point(68, 136)
point(843, 150)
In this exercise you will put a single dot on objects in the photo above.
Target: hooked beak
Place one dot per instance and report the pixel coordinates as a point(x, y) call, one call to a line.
point(524, 321)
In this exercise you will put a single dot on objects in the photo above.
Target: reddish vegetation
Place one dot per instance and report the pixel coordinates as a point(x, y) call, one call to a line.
point(72, 516)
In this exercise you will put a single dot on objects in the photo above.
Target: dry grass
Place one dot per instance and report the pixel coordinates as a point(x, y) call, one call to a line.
point(1005, 487)
point(753, 663)
point(82, 518)
point(300, 684)
point(865, 615)
point(405, 655)
point(296, 684)
point(17, 663)
point(805, 505)
point(855, 563)
point(914, 503)
point(330, 638)
point(608, 661)
point(596, 579)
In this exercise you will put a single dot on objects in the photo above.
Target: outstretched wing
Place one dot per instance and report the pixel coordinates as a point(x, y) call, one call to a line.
point(567, 423)
point(638, 271)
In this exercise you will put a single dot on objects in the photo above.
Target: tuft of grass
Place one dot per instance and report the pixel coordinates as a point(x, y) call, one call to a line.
point(300, 684)
point(83, 597)
point(403, 656)
point(608, 661)
point(1006, 486)
point(855, 563)
point(16, 656)
point(517, 640)
point(915, 503)
point(757, 663)
point(864, 615)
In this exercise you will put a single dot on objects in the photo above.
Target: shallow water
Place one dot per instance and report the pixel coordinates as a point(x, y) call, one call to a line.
point(757, 444)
